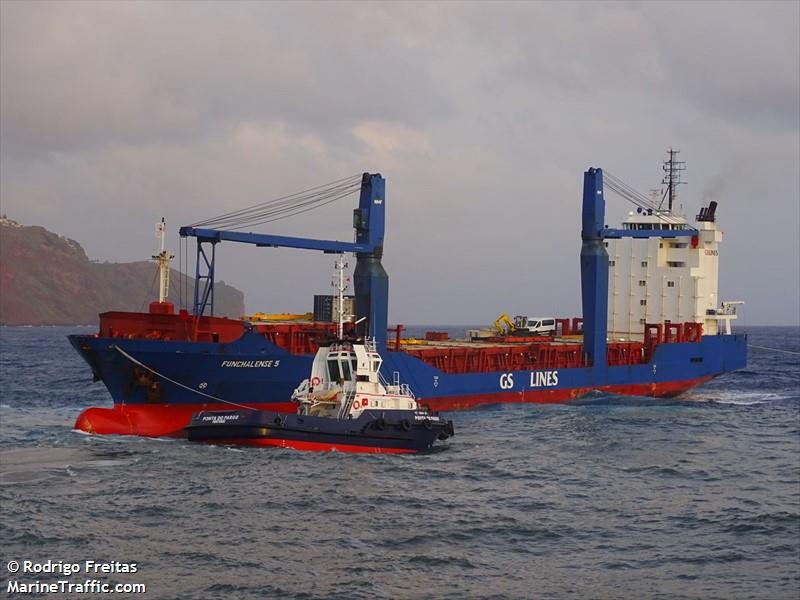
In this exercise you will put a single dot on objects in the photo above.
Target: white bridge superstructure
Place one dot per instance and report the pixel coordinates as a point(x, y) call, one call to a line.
point(346, 380)
point(346, 375)
point(654, 280)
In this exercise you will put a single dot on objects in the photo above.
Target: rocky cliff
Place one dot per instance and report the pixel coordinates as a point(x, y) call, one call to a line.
point(46, 279)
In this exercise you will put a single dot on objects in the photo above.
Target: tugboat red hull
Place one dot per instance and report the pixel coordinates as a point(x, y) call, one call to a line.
point(313, 446)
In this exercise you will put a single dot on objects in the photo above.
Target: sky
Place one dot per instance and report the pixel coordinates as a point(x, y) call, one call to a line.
point(481, 116)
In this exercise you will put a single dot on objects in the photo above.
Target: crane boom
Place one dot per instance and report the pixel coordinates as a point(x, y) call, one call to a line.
point(370, 278)
point(265, 240)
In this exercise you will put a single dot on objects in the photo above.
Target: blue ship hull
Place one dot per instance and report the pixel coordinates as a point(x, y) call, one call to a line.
point(172, 379)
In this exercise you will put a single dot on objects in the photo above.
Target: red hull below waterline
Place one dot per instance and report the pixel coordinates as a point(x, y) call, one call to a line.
point(154, 420)
point(563, 396)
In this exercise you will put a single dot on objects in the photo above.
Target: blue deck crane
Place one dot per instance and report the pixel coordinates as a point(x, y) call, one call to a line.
point(370, 279)
point(594, 266)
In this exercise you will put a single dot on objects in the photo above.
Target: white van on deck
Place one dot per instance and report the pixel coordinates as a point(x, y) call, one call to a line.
point(538, 325)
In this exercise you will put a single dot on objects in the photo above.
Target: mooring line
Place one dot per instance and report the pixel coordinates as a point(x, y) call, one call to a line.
point(178, 383)
point(774, 349)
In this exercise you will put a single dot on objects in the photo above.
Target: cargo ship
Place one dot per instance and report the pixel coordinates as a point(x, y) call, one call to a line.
point(652, 322)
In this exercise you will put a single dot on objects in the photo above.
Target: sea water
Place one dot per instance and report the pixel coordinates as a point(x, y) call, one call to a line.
point(615, 497)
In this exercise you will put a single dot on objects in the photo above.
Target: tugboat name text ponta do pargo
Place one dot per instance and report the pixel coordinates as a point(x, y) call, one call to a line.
point(653, 323)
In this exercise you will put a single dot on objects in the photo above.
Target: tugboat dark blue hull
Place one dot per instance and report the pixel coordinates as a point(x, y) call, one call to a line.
point(402, 432)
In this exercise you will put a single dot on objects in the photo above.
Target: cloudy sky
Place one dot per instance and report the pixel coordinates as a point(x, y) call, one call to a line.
point(482, 117)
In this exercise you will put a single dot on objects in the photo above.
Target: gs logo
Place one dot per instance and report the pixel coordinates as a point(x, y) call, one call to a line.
point(506, 381)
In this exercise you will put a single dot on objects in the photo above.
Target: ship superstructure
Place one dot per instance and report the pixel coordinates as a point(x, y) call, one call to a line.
point(666, 280)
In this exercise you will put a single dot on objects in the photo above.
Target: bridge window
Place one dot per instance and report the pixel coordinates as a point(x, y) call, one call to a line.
point(345, 366)
point(333, 370)
point(676, 263)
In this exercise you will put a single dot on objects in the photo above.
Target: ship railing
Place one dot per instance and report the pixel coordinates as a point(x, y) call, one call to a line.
point(402, 389)
point(727, 308)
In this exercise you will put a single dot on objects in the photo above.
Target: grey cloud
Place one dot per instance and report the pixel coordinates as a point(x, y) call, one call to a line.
point(481, 116)
point(89, 73)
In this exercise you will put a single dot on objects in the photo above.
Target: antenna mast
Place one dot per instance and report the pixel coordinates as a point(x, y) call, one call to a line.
point(672, 177)
point(340, 283)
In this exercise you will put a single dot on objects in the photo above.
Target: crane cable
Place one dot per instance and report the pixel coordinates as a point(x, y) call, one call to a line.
point(285, 206)
point(619, 187)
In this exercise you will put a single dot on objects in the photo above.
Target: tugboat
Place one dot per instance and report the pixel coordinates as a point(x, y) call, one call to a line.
point(345, 405)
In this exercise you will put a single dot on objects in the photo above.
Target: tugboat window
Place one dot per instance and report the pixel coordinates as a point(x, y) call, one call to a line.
point(333, 370)
point(346, 369)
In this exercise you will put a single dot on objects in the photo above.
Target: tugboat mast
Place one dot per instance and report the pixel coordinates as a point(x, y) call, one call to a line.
point(163, 258)
point(340, 283)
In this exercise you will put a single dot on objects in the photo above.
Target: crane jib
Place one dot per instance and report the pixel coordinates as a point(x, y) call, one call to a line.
point(371, 280)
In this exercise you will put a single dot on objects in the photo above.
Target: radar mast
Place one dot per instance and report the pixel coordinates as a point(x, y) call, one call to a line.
point(672, 178)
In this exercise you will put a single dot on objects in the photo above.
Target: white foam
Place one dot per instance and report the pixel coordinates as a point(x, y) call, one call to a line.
point(735, 398)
